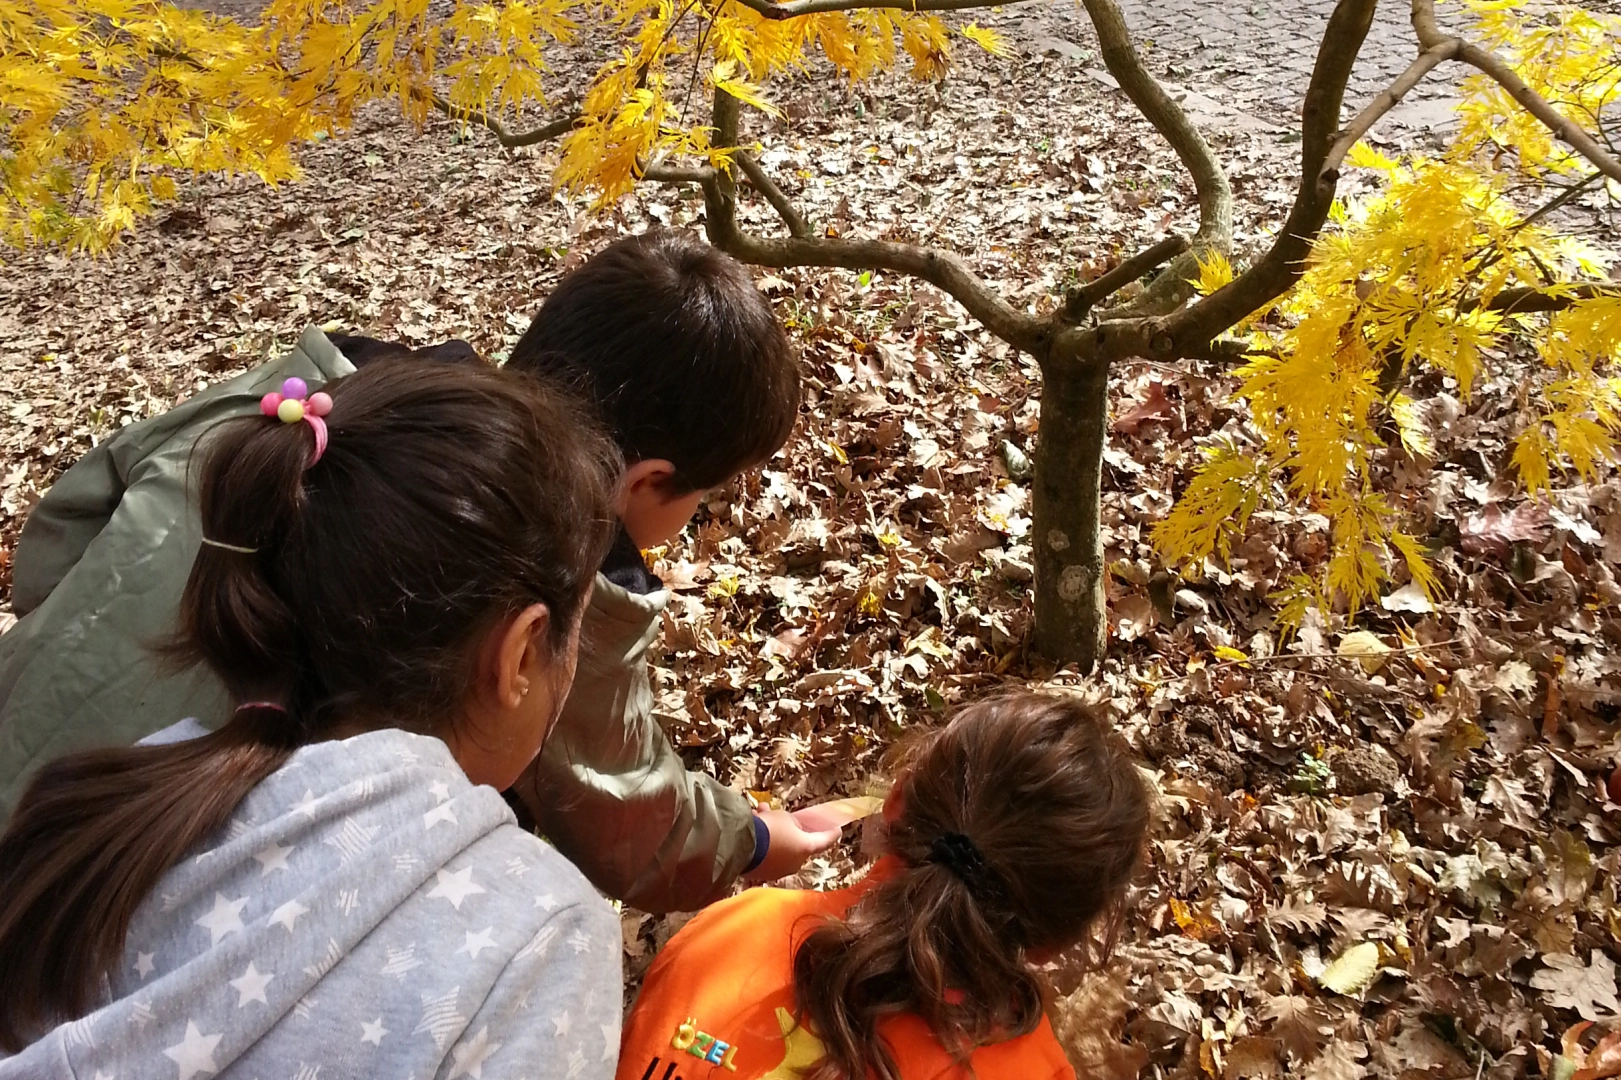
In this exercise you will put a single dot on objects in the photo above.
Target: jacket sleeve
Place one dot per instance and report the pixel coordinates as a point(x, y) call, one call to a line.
point(101, 564)
point(611, 793)
point(62, 524)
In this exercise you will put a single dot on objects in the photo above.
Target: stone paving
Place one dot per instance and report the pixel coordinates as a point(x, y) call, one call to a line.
point(1253, 56)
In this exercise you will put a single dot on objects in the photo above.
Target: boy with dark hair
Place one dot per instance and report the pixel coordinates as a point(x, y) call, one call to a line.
point(694, 377)
point(692, 374)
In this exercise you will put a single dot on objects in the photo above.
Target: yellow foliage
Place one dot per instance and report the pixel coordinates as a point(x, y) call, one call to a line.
point(105, 102)
point(1214, 272)
point(1406, 279)
point(989, 40)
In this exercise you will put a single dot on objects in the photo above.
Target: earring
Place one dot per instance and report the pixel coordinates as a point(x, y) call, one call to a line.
point(525, 691)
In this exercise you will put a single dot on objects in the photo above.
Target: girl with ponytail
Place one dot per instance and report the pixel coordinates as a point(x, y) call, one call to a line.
point(390, 585)
point(1010, 835)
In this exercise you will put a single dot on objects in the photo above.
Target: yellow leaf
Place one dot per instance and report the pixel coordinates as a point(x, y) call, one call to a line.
point(1365, 647)
point(723, 80)
point(1214, 272)
point(1354, 970)
point(1364, 156)
point(989, 40)
point(837, 813)
point(1227, 652)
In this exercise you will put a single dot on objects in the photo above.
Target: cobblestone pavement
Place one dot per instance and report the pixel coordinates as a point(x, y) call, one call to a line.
point(1254, 56)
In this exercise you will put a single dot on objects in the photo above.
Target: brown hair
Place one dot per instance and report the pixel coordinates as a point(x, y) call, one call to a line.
point(448, 497)
point(1020, 826)
point(670, 339)
point(360, 350)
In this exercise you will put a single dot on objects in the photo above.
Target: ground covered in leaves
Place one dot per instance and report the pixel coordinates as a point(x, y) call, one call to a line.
point(1385, 845)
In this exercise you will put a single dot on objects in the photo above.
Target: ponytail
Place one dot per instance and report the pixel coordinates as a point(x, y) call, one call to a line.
point(90, 839)
point(1019, 827)
point(351, 587)
point(233, 617)
point(904, 949)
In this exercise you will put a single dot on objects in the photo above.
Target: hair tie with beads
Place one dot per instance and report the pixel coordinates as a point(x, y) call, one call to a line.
point(295, 403)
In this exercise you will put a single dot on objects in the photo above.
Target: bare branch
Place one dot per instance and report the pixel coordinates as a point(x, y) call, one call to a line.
point(1571, 133)
point(1554, 298)
point(541, 134)
point(1082, 299)
point(1228, 351)
point(939, 268)
point(678, 174)
point(780, 202)
point(794, 8)
point(1386, 100)
point(1285, 262)
point(1209, 179)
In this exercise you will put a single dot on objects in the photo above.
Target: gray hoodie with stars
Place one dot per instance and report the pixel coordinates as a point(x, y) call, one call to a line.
point(366, 912)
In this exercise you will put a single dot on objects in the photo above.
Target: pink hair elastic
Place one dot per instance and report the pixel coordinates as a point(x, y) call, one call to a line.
point(295, 403)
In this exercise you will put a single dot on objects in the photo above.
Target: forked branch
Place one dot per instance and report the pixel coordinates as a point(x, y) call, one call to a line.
point(1568, 131)
point(1284, 263)
point(1386, 100)
point(1084, 298)
point(1209, 179)
point(939, 268)
point(797, 226)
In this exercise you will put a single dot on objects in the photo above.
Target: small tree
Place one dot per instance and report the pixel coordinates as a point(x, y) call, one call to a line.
point(104, 99)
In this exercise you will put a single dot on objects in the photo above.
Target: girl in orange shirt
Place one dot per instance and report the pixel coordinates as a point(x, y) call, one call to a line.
point(1010, 835)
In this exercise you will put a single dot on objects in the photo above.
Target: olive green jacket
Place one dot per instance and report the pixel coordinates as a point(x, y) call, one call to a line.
point(97, 577)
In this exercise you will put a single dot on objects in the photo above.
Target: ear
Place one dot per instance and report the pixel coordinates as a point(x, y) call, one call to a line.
point(893, 806)
point(650, 476)
point(518, 654)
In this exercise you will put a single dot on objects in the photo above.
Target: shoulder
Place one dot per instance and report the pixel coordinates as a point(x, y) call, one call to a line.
point(611, 602)
point(760, 919)
point(1036, 1056)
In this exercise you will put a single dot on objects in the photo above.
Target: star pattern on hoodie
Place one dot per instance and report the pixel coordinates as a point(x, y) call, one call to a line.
point(306, 876)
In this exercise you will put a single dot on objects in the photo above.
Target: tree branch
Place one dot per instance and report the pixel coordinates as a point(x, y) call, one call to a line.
point(1285, 261)
point(678, 174)
point(1555, 298)
point(794, 8)
point(1492, 65)
point(541, 134)
point(1170, 289)
point(797, 225)
point(1386, 100)
point(939, 268)
point(1080, 300)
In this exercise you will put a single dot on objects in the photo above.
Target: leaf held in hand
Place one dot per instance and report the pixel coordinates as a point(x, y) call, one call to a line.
point(838, 813)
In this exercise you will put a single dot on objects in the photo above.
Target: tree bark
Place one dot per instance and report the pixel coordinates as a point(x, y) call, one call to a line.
point(1172, 286)
point(1071, 612)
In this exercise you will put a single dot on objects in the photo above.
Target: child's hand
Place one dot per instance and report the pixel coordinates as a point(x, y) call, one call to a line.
point(791, 845)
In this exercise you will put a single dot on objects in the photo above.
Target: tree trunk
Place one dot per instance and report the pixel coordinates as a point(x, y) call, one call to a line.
point(1071, 614)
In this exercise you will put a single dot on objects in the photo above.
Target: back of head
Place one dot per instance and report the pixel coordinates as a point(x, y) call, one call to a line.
point(1020, 825)
point(352, 590)
point(679, 351)
point(447, 495)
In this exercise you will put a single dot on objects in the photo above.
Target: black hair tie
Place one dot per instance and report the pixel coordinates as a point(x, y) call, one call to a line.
point(962, 857)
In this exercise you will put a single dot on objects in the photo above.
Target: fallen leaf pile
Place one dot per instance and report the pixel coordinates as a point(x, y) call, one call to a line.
point(1386, 846)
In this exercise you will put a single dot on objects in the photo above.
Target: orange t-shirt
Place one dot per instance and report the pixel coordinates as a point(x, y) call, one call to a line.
point(718, 1004)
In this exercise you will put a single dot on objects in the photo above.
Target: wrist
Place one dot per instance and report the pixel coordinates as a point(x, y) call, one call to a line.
point(762, 842)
